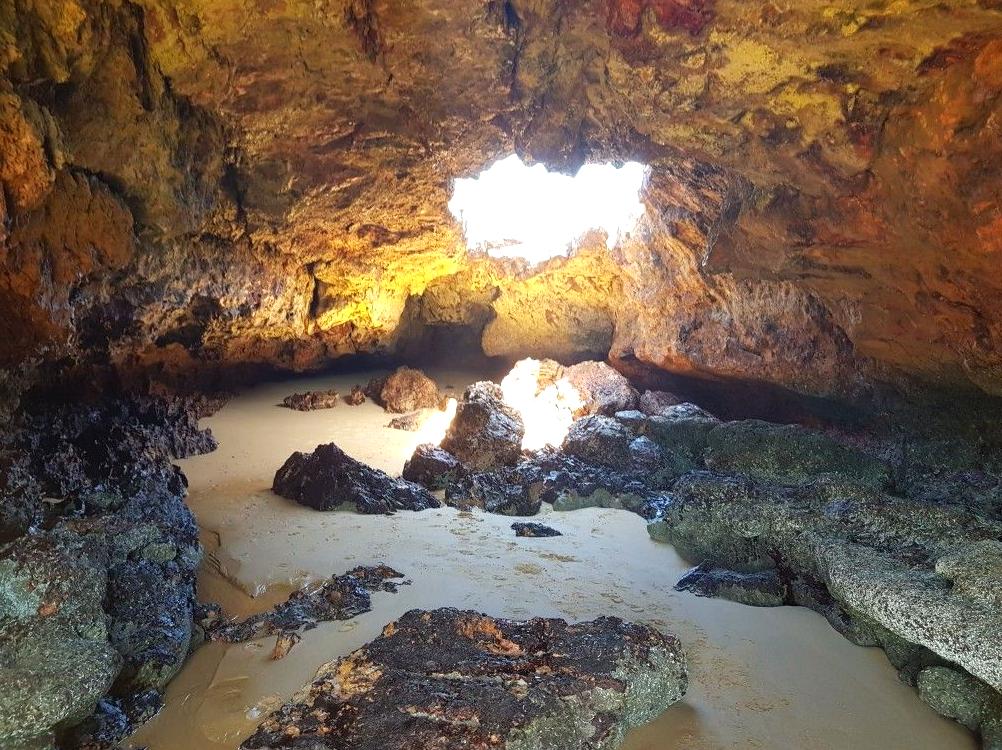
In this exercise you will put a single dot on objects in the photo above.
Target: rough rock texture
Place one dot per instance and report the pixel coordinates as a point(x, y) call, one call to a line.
point(602, 389)
point(404, 390)
point(311, 400)
point(763, 588)
point(657, 402)
point(447, 678)
point(866, 560)
point(338, 598)
point(328, 478)
point(199, 187)
point(534, 530)
point(409, 422)
point(356, 396)
point(432, 467)
point(98, 595)
point(485, 432)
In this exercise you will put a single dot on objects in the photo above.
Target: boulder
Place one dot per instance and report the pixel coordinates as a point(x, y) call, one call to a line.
point(56, 661)
point(603, 390)
point(432, 467)
point(485, 432)
point(311, 400)
point(448, 679)
point(328, 478)
point(404, 390)
point(501, 490)
point(600, 440)
point(356, 396)
point(523, 529)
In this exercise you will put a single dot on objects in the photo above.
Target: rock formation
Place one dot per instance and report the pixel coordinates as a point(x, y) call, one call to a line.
point(208, 189)
point(99, 593)
point(311, 400)
point(447, 678)
point(327, 478)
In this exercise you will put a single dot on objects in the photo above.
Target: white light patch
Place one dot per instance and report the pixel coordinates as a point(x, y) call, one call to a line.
point(512, 210)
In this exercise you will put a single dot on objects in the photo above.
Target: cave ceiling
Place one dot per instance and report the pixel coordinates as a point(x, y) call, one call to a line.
point(213, 183)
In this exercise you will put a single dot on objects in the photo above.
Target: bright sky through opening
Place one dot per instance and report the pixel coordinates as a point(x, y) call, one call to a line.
point(512, 210)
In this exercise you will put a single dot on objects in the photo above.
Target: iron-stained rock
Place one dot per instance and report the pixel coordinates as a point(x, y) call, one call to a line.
point(356, 396)
point(404, 390)
point(603, 389)
point(311, 400)
point(446, 678)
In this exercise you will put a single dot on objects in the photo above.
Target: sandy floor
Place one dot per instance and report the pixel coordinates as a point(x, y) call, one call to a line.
point(760, 678)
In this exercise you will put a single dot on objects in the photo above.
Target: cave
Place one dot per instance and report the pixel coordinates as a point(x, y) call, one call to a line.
point(500, 374)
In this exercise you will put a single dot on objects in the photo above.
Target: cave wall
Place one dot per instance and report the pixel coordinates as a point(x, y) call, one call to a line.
point(195, 185)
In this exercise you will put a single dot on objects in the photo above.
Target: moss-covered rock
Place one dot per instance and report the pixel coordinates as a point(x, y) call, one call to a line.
point(56, 661)
point(788, 454)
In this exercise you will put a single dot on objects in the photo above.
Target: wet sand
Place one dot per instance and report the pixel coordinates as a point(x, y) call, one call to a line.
point(771, 678)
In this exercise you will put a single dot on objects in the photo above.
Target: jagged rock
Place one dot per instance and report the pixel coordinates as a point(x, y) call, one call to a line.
point(502, 490)
point(432, 467)
point(763, 588)
point(447, 678)
point(874, 554)
point(657, 402)
point(311, 400)
point(408, 422)
point(328, 478)
point(486, 432)
point(605, 441)
point(404, 390)
point(356, 396)
point(122, 534)
point(788, 453)
point(600, 440)
point(569, 483)
point(534, 530)
point(603, 390)
point(339, 598)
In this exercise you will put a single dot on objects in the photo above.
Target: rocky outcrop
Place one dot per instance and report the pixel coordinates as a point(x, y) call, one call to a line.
point(202, 190)
point(867, 561)
point(327, 478)
point(451, 678)
point(99, 593)
point(485, 432)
